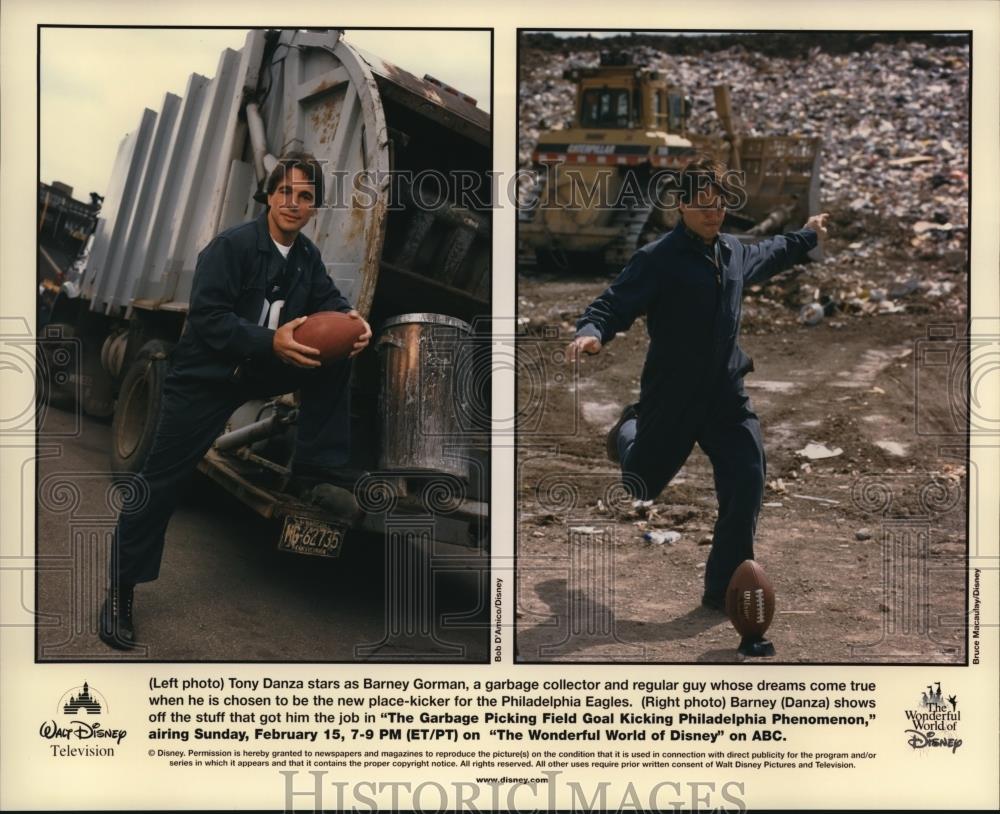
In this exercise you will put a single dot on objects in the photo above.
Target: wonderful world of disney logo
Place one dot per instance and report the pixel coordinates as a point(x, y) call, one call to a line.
point(81, 730)
point(935, 721)
point(921, 740)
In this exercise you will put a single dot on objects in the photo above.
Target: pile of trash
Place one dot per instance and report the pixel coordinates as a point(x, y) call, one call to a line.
point(894, 171)
point(846, 285)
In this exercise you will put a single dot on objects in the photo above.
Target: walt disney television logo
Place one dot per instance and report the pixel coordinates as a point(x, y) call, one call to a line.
point(84, 700)
point(935, 722)
point(71, 724)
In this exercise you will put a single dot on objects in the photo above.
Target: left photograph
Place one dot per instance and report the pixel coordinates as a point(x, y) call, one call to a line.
point(263, 365)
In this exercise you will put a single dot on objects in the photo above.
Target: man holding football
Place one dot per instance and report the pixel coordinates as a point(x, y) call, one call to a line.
point(689, 283)
point(254, 284)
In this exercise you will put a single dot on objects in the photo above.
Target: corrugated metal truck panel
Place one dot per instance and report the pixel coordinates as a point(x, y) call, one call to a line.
point(117, 211)
point(176, 184)
point(154, 285)
point(216, 141)
point(168, 206)
point(135, 246)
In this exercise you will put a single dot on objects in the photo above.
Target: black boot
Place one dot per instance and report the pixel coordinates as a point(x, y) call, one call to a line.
point(116, 628)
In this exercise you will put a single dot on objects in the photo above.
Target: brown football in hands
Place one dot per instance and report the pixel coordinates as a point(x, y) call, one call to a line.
point(332, 333)
point(750, 599)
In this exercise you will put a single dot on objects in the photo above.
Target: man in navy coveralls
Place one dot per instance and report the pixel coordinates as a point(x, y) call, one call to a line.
point(689, 284)
point(253, 285)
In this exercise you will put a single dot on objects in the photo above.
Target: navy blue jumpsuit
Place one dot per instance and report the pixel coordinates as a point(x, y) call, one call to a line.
point(224, 358)
point(691, 389)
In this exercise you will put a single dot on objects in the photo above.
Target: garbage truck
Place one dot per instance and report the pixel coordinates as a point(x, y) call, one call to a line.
point(408, 251)
point(602, 183)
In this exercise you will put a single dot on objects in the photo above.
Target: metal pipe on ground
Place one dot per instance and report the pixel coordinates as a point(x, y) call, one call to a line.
point(249, 434)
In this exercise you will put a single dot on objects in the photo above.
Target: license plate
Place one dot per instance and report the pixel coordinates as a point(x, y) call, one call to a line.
point(305, 535)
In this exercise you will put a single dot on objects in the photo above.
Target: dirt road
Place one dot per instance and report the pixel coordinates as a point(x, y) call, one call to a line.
point(866, 548)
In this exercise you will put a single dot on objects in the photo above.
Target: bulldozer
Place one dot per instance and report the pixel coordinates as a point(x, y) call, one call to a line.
point(605, 184)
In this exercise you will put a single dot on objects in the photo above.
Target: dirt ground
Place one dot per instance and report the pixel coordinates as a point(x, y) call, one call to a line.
point(866, 549)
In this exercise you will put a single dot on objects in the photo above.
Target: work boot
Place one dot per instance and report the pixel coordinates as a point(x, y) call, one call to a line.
point(116, 627)
point(630, 412)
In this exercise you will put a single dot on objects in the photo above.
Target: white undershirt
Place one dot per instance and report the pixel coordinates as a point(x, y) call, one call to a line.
point(283, 249)
point(272, 310)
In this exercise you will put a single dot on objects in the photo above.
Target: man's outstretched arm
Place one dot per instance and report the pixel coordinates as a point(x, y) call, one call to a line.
point(617, 307)
point(769, 257)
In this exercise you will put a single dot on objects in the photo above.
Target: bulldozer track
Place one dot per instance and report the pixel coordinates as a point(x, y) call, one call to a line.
point(633, 220)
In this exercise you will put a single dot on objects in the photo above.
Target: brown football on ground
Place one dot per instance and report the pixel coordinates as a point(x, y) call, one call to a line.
point(750, 599)
point(332, 333)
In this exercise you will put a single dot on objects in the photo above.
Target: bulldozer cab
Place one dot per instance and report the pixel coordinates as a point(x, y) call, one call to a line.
point(618, 95)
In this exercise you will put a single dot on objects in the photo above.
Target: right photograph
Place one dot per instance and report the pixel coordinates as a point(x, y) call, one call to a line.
point(746, 369)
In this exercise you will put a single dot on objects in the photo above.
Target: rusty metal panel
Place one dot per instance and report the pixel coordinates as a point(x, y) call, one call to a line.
point(449, 109)
point(330, 106)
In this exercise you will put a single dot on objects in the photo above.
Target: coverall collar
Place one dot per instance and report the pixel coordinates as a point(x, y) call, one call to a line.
point(694, 243)
point(265, 243)
point(697, 239)
point(264, 239)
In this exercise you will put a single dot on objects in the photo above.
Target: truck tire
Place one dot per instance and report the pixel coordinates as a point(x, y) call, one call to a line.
point(97, 393)
point(138, 408)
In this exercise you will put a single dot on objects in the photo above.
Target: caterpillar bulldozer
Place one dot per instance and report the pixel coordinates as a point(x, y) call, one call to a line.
point(603, 185)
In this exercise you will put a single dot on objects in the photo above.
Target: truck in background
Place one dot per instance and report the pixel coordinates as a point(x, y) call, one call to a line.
point(410, 252)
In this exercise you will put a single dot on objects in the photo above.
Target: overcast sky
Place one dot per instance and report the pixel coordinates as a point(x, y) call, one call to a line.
point(95, 83)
